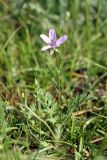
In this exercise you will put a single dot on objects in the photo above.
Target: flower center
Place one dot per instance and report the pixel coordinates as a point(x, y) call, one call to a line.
point(53, 43)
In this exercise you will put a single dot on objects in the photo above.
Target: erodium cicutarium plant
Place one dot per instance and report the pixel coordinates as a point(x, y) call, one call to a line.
point(52, 44)
point(52, 41)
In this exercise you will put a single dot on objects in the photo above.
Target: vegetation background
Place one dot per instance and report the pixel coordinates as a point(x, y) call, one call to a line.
point(53, 107)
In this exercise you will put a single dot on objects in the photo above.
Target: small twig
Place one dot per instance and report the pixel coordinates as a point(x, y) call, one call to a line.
point(99, 80)
point(82, 112)
point(87, 110)
point(97, 140)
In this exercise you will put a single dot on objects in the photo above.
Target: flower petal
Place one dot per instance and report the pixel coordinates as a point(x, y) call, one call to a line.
point(52, 35)
point(45, 38)
point(46, 47)
point(61, 40)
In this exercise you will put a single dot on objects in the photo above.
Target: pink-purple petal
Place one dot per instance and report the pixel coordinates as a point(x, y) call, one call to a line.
point(52, 35)
point(61, 40)
point(46, 47)
point(45, 38)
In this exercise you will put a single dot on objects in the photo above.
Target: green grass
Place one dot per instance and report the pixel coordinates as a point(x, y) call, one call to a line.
point(53, 107)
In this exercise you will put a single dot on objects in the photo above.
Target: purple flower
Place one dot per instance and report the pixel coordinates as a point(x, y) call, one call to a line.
point(52, 40)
